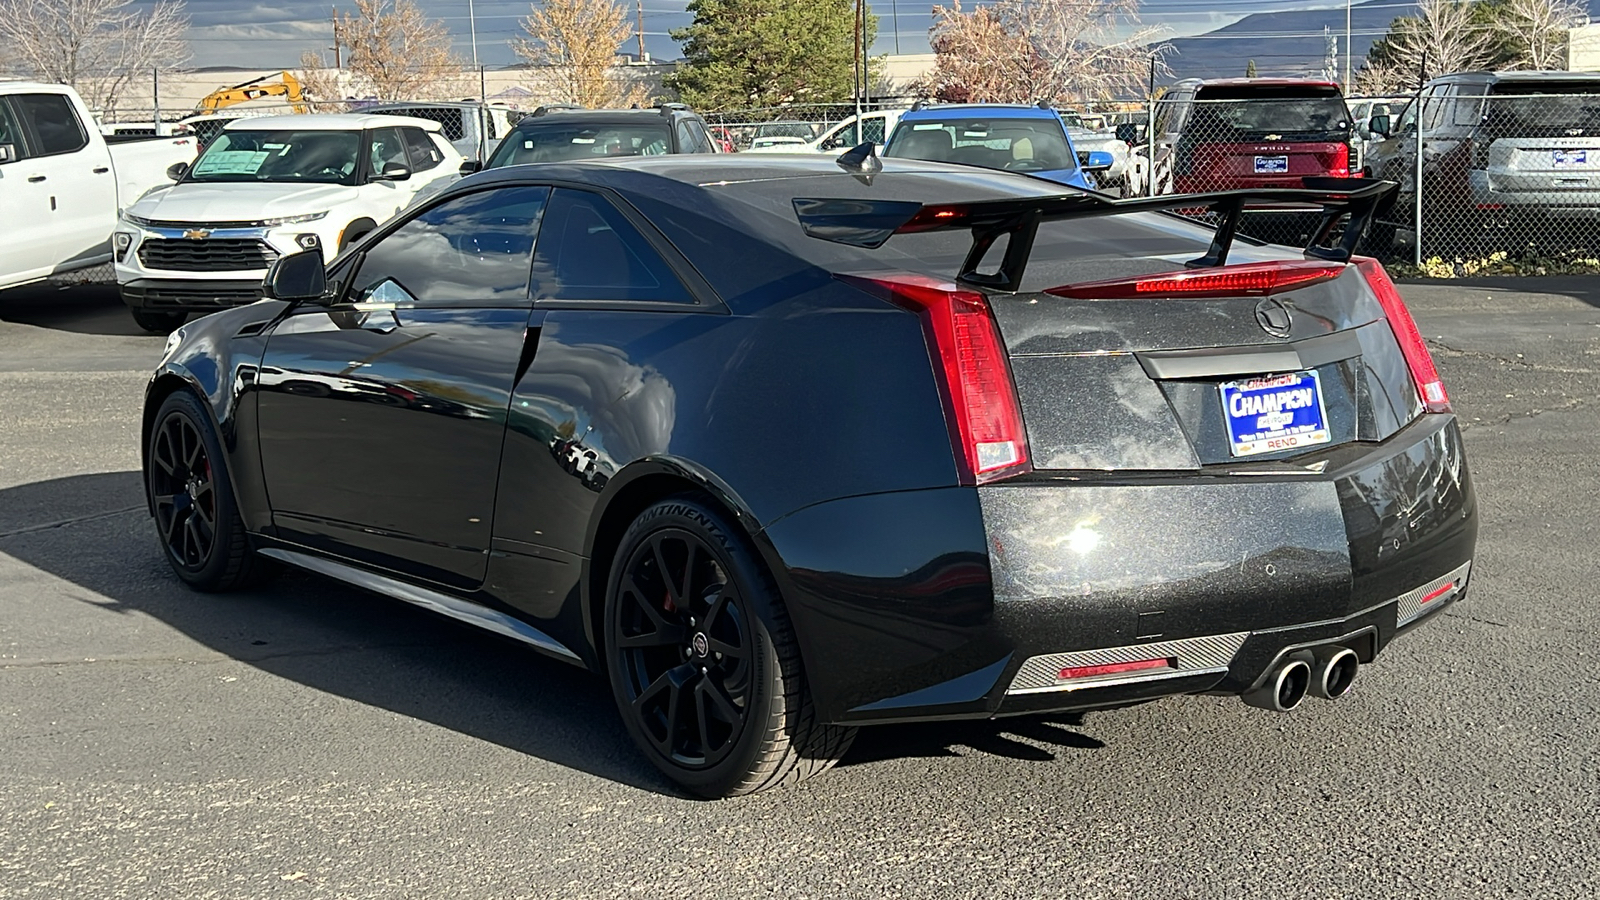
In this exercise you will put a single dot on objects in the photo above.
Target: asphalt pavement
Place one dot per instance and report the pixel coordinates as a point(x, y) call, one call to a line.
point(314, 741)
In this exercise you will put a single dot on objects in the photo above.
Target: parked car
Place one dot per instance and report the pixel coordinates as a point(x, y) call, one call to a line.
point(266, 187)
point(1362, 112)
point(1502, 151)
point(873, 126)
point(567, 135)
point(474, 129)
point(1249, 132)
point(1010, 137)
point(62, 182)
point(752, 444)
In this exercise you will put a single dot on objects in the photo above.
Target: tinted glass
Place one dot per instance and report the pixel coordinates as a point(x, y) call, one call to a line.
point(1023, 145)
point(558, 142)
point(10, 132)
point(1543, 109)
point(589, 251)
point(424, 155)
point(471, 250)
point(702, 140)
point(1244, 114)
point(54, 121)
point(385, 149)
point(325, 157)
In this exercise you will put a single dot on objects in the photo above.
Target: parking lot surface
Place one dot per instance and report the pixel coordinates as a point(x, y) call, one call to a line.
point(310, 740)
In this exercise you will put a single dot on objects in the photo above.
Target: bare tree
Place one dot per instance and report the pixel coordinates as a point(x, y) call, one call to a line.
point(1020, 51)
point(399, 52)
point(97, 46)
point(573, 44)
point(1445, 33)
point(1538, 30)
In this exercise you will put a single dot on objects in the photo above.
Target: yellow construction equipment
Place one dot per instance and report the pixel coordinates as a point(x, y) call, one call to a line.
point(283, 85)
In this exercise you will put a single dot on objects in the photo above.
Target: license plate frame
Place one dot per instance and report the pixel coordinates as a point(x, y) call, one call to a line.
point(1272, 413)
point(1272, 165)
point(1570, 159)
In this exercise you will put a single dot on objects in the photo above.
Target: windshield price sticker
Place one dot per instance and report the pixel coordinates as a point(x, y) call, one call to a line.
point(1268, 415)
point(231, 162)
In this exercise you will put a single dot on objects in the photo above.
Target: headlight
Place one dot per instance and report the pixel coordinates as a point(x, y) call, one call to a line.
point(292, 220)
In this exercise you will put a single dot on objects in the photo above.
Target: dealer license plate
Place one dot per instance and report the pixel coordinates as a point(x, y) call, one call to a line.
point(1272, 165)
point(1569, 159)
point(1280, 412)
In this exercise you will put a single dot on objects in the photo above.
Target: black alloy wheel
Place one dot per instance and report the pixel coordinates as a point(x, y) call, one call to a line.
point(703, 660)
point(197, 521)
point(184, 491)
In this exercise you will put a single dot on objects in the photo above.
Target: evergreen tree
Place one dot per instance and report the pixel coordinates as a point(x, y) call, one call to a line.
point(750, 53)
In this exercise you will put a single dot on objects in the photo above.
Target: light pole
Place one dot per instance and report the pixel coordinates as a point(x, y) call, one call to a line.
point(1348, 52)
point(472, 23)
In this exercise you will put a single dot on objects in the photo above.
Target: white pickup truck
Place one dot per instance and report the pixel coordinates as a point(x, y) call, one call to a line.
point(63, 185)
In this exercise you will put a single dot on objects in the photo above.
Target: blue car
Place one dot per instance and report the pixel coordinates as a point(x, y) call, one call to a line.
point(1010, 137)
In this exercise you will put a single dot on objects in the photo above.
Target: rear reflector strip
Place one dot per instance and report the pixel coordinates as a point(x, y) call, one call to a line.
point(1114, 668)
point(1245, 280)
point(1438, 592)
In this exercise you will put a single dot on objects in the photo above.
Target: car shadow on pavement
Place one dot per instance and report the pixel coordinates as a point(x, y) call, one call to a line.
point(92, 308)
point(93, 532)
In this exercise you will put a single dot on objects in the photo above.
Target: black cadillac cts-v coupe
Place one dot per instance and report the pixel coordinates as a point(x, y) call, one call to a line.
point(782, 446)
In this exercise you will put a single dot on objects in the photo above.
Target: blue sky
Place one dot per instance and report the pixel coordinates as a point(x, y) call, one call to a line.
point(252, 34)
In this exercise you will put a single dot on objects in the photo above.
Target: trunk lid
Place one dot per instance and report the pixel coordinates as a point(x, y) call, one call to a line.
point(1173, 382)
point(1268, 164)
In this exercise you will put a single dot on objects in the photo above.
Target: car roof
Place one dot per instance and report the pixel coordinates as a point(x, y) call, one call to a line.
point(1256, 82)
point(986, 110)
point(1531, 75)
point(599, 117)
point(332, 122)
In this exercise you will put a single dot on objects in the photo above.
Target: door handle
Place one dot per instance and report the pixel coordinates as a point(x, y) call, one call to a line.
point(101, 170)
point(35, 179)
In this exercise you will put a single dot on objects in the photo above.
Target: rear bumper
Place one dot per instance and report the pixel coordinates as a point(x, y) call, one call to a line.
point(1537, 197)
point(968, 603)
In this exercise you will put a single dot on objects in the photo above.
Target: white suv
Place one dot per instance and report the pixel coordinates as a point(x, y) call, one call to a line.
point(264, 188)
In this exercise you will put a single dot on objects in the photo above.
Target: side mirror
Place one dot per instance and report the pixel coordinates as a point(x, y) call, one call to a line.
point(176, 171)
point(471, 166)
point(8, 153)
point(1128, 133)
point(394, 172)
point(1099, 161)
point(298, 276)
point(1379, 125)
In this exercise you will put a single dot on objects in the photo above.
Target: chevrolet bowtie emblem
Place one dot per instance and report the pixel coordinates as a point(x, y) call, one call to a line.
point(197, 234)
point(1274, 137)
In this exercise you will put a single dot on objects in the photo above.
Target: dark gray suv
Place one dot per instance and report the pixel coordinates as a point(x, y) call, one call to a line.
point(569, 134)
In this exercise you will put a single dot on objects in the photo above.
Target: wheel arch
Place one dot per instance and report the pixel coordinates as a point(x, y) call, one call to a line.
point(357, 229)
point(629, 493)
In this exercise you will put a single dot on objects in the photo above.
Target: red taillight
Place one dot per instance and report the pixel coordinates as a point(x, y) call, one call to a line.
point(1341, 163)
point(1113, 668)
point(978, 392)
point(1418, 359)
point(1247, 280)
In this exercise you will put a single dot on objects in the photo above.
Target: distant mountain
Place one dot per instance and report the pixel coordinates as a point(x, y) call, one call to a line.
point(1287, 44)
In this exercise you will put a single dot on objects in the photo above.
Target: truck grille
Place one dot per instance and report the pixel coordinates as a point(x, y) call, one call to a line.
point(209, 255)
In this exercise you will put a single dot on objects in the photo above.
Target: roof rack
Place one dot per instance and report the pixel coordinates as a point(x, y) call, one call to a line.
point(869, 223)
point(667, 109)
point(549, 108)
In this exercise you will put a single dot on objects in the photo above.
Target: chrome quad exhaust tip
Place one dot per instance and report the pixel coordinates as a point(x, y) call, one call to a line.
point(1284, 688)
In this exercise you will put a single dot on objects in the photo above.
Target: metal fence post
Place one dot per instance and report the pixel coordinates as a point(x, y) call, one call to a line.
point(1150, 133)
point(1416, 175)
point(155, 99)
point(484, 117)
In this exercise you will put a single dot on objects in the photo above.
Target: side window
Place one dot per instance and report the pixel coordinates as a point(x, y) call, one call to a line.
point(1433, 108)
point(424, 154)
point(1468, 110)
point(384, 149)
point(1408, 118)
point(10, 133)
point(54, 121)
point(702, 141)
point(588, 250)
point(472, 250)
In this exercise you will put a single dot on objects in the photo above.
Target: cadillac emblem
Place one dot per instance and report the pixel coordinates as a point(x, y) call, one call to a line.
point(197, 234)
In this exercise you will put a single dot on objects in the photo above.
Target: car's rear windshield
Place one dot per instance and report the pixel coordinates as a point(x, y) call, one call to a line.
point(1019, 145)
point(1543, 109)
point(570, 141)
point(322, 157)
point(1294, 112)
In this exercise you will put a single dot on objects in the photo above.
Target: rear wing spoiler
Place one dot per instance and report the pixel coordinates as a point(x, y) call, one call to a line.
point(870, 223)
